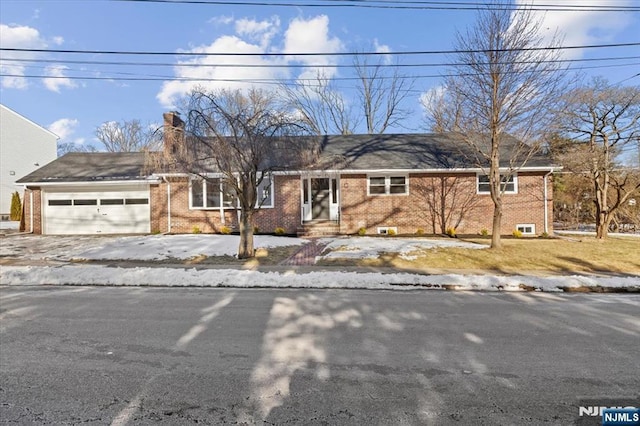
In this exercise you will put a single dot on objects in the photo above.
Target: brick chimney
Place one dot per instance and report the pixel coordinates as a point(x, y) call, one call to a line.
point(173, 132)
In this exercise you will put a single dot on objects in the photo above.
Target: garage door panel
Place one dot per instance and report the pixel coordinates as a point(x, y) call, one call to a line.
point(70, 220)
point(109, 211)
point(117, 219)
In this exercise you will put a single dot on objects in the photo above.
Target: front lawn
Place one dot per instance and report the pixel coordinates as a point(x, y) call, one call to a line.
point(557, 255)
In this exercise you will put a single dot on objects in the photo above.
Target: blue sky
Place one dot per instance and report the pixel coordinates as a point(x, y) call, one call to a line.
point(73, 108)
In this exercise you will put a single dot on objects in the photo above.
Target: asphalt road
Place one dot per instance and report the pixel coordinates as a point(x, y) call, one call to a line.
point(87, 355)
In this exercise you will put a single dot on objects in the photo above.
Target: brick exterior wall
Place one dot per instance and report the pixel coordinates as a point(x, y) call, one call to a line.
point(417, 210)
point(422, 207)
point(285, 214)
point(37, 210)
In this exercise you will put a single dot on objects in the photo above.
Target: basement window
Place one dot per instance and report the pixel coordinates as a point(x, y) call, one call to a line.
point(526, 228)
point(386, 230)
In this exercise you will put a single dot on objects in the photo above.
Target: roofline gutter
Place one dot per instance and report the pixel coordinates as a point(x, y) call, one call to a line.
point(549, 169)
point(92, 183)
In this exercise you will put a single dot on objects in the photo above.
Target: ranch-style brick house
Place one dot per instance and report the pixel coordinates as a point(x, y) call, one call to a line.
point(402, 183)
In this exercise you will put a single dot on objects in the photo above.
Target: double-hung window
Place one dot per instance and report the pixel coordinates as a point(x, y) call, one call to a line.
point(508, 184)
point(388, 185)
point(265, 192)
point(211, 194)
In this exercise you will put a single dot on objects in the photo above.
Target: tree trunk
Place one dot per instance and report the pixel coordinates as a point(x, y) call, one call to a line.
point(443, 212)
point(496, 242)
point(245, 249)
point(603, 219)
point(496, 194)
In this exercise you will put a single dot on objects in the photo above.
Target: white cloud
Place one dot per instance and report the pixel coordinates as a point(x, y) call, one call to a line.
point(64, 128)
point(221, 20)
point(213, 73)
point(258, 31)
point(58, 79)
point(581, 27)
point(383, 48)
point(22, 37)
point(428, 98)
point(17, 37)
point(312, 35)
point(255, 37)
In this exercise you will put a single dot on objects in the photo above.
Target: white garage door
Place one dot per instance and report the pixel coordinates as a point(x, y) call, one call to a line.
point(118, 210)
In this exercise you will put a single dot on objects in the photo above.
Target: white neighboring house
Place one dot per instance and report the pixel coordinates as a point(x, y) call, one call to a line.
point(24, 147)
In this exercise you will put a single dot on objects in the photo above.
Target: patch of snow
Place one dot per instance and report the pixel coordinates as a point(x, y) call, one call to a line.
point(178, 277)
point(160, 247)
point(593, 234)
point(7, 224)
point(372, 248)
point(147, 247)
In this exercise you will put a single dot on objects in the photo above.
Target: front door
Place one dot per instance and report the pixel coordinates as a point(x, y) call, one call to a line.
point(320, 202)
point(320, 198)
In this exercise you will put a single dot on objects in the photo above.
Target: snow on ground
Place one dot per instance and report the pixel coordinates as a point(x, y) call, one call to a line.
point(159, 247)
point(142, 276)
point(147, 247)
point(180, 246)
point(372, 248)
point(7, 224)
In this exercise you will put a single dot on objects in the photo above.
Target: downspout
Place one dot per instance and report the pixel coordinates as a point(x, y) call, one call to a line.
point(221, 209)
point(164, 178)
point(546, 207)
point(31, 211)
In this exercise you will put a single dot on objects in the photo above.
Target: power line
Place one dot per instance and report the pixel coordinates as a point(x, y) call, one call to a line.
point(401, 5)
point(259, 80)
point(238, 65)
point(304, 54)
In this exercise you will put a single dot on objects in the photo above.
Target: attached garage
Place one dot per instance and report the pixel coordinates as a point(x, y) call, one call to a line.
point(115, 210)
point(90, 193)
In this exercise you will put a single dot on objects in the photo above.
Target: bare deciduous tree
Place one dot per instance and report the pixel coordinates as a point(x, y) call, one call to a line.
point(65, 147)
point(601, 121)
point(505, 81)
point(322, 107)
point(381, 93)
point(442, 112)
point(380, 97)
point(241, 136)
point(126, 136)
point(448, 201)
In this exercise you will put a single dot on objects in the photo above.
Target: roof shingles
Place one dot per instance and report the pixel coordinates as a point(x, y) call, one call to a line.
point(429, 151)
point(91, 166)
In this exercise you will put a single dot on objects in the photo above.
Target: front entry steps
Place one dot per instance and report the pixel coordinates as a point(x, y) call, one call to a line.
point(322, 228)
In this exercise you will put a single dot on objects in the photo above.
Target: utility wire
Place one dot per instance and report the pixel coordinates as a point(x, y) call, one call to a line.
point(264, 80)
point(271, 54)
point(238, 65)
point(402, 5)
